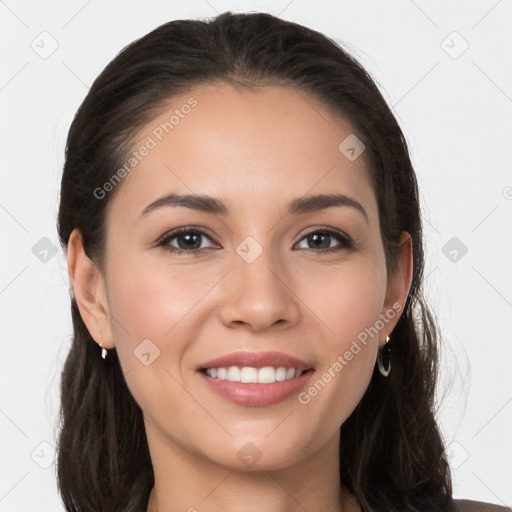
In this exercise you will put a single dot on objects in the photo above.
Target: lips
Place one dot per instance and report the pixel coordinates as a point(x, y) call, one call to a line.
point(256, 395)
point(255, 360)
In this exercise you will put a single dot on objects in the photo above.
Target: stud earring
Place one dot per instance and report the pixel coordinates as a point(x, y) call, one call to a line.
point(384, 359)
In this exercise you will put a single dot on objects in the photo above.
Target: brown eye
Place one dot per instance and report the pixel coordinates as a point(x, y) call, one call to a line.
point(187, 240)
point(322, 239)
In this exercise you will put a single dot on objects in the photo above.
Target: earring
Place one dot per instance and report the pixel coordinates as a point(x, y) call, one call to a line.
point(103, 350)
point(384, 359)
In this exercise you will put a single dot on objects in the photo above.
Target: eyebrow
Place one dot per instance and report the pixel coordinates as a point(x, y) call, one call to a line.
point(298, 206)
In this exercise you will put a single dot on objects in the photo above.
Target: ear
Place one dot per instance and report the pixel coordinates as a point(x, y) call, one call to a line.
point(90, 291)
point(399, 284)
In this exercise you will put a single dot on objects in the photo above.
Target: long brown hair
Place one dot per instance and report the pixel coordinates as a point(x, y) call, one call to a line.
point(391, 450)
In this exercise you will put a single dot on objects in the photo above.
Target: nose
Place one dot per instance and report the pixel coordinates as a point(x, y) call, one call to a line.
point(259, 295)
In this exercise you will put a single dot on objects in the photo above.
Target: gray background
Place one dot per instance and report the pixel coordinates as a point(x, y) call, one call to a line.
point(454, 104)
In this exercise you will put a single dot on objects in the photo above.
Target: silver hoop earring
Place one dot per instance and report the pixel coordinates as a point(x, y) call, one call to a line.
point(384, 359)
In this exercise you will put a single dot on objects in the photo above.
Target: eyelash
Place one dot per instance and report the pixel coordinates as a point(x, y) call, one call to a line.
point(346, 241)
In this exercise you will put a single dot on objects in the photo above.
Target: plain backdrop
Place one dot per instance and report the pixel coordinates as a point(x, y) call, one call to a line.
point(444, 67)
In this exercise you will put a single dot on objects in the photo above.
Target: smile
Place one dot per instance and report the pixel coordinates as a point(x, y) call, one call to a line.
point(252, 394)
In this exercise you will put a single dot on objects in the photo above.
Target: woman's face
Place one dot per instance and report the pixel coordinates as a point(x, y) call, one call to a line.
point(264, 277)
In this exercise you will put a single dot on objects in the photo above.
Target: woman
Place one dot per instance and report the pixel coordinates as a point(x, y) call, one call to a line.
point(244, 243)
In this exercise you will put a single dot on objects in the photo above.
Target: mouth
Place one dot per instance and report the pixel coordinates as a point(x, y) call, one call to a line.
point(255, 379)
point(239, 386)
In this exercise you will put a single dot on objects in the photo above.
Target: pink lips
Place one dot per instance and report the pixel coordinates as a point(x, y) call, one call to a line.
point(256, 395)
point(256, 360)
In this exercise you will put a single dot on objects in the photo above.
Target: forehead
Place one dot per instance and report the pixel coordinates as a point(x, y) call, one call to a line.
point(264, 145)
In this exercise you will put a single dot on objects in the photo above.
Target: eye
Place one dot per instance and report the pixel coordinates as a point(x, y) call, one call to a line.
point(321, 239)
point(188, 240)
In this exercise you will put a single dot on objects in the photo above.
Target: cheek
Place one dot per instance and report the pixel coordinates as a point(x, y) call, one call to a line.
point(150, 300)
point(346, 299)
point(152, 310)
point(348, 303)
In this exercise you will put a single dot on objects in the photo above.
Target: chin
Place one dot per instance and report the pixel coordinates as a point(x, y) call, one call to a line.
point(256, 454)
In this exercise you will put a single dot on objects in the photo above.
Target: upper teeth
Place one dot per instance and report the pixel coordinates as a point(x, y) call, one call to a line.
point(266, 375)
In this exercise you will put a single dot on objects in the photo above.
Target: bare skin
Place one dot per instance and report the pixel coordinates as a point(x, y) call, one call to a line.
point(257, 152)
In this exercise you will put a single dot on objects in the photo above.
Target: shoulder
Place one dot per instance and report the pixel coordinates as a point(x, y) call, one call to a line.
point(477, 506)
